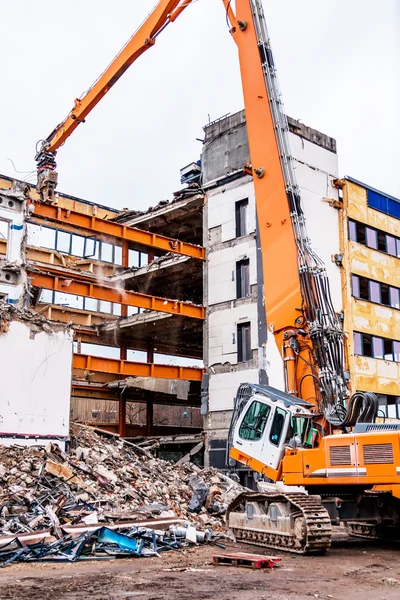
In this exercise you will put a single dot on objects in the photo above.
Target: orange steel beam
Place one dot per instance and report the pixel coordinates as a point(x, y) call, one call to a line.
point(101, 292)
point(126, 368)
point(94, 224)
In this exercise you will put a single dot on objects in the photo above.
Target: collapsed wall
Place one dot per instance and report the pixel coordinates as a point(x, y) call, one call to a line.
point(35, 392)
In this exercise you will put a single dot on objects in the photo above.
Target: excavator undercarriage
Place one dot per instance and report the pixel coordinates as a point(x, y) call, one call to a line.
point(302, 523)
point(294, 522)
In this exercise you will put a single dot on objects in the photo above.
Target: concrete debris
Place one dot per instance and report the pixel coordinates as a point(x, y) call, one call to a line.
point(36, 322)
point(53, 496)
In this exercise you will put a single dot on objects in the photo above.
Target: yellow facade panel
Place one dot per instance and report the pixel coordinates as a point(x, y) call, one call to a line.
point(373, 264)
point(359, 211)
point(375, 375)
point(376, 319)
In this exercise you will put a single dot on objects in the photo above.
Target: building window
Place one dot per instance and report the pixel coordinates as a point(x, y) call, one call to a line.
point(241, 213)
point(375, 291)
point(95, 414)
point(3, 229)
point(394, 294)
point(244, 342)
point(243, 278)
point(386, 204)
point(374, 346)
point(389, 406)
point(374, 238)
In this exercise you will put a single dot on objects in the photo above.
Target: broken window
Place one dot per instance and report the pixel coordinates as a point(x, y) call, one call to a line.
point(366, 345)
point(3, 230)
point(241, 210)
point(382, 243)
point(244, 342)
point(364, 288)
point(360, 234)
point(388, 349)
point(243, 278)
point(385, 295)
point(39, 236)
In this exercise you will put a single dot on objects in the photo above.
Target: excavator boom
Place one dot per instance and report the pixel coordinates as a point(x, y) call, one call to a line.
point(164, 13)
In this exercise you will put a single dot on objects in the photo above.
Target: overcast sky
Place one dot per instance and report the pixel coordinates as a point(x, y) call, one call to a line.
point(338, 63)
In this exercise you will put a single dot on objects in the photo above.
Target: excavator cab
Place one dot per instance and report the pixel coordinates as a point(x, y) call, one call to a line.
point(266, 420)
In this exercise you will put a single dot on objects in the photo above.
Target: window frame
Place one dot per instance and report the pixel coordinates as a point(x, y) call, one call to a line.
point(244, 352)
point(241, 224)
point(243, 288)
point(360, 340)
point(271, 432)
point(355, 235)
point(262, 423)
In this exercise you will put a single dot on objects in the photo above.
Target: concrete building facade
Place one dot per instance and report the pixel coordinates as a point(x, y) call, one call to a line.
point(238, 347)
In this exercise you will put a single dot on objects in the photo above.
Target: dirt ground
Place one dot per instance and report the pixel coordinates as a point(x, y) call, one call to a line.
point(352, 570)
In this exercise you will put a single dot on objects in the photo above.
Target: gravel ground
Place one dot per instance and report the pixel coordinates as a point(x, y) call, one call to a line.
point(352, 570)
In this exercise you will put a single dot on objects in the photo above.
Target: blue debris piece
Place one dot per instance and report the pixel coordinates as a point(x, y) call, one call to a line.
point(132, 545)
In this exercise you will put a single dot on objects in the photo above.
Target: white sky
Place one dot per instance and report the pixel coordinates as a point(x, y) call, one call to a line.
point(339, 69)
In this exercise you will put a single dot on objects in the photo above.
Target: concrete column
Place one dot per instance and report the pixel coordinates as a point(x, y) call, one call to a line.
point(149, 414)
point(125, 264)
point(122, 418)
point(150, 351)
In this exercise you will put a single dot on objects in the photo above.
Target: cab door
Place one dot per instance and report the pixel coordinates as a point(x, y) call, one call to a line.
point(252, 429)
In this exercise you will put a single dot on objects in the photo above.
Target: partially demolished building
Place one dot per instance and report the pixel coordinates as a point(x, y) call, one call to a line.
point(122, 297)
point(117, 300)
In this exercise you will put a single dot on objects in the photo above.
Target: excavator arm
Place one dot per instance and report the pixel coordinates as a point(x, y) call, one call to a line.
point(162, 15)
point(299, 309)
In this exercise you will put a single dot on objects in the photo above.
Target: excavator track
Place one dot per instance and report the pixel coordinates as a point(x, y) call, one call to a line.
point(370, 531)
point(311, 531)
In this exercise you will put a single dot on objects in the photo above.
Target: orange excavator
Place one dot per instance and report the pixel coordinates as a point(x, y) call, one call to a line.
point(324, 456)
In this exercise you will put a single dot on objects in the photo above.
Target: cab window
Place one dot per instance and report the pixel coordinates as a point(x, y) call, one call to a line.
point(254, 422)
point(277, 426)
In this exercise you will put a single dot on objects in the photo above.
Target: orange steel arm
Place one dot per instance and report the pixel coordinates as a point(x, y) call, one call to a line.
point(164, 13)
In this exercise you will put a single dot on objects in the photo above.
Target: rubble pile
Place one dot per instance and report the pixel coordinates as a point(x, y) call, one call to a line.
point(105, 483)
